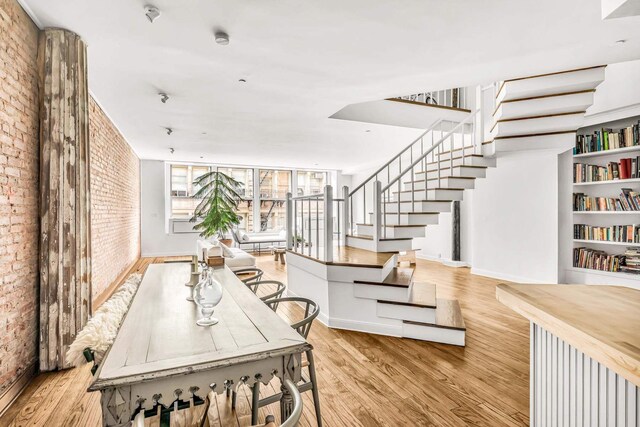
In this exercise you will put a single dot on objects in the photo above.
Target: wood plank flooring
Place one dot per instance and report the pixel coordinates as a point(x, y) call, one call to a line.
point(364, 380)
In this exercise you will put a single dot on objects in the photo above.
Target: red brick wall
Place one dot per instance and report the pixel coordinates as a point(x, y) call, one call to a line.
point(19, 222)
point(115, 201)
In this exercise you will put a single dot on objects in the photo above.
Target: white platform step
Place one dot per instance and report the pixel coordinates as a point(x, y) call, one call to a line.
point(466, 171)
point(394, 231)
point(550, 84)
point(406, 312)
point(562, 141)
point(429, 206)
point(448, 328)
point(474, 160)
point(432, 194)
point(410, 218)
point(467, 183)
point(534, 125)
point(544, 105)
point(386, 245)
point(396, 287)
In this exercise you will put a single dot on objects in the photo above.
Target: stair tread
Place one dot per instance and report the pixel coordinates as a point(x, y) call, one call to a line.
point(444, 177)
point(368, 237)
point(435, 188)
point(399, 277)
point(410, 213)
point(516, 119)
point(422, 295)
point(457, 166)
point(448, 315)
point(530, 135)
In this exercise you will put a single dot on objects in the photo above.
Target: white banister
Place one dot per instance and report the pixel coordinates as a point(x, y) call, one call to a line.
point(328, 223)
point(290, 227)
point(345, 215)
point(377, 210)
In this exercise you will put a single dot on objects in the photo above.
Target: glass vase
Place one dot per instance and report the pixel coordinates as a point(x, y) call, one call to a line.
point(207, 294)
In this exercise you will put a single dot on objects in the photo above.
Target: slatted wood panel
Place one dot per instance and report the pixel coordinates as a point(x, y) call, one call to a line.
point(365, 380)
point(65, 249)
point(571, 389)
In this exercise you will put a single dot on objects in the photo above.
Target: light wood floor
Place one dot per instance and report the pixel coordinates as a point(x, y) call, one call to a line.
point(364, 379)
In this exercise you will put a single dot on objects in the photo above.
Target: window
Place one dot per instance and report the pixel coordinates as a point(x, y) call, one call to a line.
point(310, 182)
point(245, 208)
point(274, 186)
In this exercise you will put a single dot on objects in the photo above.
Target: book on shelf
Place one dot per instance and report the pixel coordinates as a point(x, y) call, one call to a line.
point(631, 262)
point(626, 168)
point(613, 233)
point(608, 139)
point(628, 200)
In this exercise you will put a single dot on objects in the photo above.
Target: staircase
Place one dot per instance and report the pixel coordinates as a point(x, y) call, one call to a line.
point(405, 196)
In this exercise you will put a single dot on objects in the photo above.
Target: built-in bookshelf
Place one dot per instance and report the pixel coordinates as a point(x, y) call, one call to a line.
point(606, 200)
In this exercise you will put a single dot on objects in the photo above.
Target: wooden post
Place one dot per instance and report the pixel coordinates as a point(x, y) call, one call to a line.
point(65, 249)
point(455, 231)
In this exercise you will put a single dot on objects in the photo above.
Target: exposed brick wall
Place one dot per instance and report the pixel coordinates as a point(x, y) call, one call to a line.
point(19, 222)
point(115, 201)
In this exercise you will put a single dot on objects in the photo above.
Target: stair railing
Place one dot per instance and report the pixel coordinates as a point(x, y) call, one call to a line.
point(383, 194)
point(311, 220)
point(386, 172)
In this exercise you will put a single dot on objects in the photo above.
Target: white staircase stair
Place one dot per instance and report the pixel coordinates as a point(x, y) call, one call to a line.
point(395, 231)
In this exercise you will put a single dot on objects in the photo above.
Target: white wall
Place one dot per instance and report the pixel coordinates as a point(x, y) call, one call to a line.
point(515, 218)
point(618, 97)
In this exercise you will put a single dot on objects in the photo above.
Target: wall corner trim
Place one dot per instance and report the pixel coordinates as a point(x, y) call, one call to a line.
point(15, 390)
point(30, 12)
point(100, 299)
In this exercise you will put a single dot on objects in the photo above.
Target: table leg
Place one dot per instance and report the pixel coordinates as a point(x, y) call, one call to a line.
point(286, 403)
point(116, 407)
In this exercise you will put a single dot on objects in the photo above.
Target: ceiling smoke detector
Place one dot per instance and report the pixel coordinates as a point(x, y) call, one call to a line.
point(152, 13)
point(163, 97)
point(222, 38)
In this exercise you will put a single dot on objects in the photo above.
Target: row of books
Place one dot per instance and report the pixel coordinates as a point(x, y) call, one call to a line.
point(631, 262)
point(614, 233)
point(626, 168)
point(596, 260)
point(608, 139)
point(628, 201)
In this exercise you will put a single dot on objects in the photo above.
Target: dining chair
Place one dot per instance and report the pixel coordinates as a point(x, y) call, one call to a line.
point(267, 287)
point(311, 311)
point(296, 413)
point(256, 274)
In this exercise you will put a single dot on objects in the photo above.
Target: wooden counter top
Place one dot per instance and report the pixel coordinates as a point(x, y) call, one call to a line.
point(601, 321)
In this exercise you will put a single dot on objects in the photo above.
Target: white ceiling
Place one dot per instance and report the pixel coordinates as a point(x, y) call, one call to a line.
point(304, 61)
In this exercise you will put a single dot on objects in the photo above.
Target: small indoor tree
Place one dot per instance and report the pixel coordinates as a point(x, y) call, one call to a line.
point(220, 195)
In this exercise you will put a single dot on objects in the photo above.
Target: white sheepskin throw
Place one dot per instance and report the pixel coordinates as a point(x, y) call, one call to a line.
point(100, 331)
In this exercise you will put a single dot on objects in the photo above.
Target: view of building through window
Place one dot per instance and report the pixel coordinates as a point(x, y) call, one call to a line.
point(272, 188)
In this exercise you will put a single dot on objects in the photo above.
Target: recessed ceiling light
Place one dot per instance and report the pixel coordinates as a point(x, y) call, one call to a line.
point(242, 81)
point(163, 97)
point(368, 130)
point(172, 150)
point(222, 38)
point(621, 41)
point(169, 131)
point(204, 133)
point(201, 157)
point(152, 12)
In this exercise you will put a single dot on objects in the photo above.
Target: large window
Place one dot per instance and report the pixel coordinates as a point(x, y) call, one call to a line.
point(274, 186)
point(264, 192)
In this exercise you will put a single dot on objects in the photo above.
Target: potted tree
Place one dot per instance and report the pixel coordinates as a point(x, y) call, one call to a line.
point(216, 214)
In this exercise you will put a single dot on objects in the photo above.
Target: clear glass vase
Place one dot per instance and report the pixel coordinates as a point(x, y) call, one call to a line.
point(207, 294)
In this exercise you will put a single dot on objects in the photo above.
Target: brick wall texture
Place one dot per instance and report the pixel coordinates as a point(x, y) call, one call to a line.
point(115, 201)
point(19, 222)
point(115, 195)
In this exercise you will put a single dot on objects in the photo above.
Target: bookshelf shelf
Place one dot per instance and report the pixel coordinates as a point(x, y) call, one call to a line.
point(606, 212)
point(605, 242)
point(607, 152)
point(615, 274)
point(613, 181)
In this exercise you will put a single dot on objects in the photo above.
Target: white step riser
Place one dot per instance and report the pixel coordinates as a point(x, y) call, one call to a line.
point(420, 207)
point(395, 233)
point(540, 125)
point(379, 292)
point(434, 334)
point(405, 219)
point(544, 106)
point(432, 194)
point(406, 312)
point(561, 142)
point(551, 84)
point(381, 246)
point(469, 161)
point(444, 182)
point(457, 171)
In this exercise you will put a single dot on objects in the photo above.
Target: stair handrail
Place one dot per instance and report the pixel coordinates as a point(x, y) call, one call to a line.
point(470, 117)
point(404, 150)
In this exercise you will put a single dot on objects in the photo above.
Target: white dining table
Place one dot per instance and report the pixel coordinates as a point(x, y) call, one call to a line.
point(160, 353)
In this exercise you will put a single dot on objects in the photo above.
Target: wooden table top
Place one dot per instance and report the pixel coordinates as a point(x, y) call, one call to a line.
point(601, 321)
point(159, 336)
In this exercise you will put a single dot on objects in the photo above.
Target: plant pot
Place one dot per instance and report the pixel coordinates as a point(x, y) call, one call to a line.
point(226, 242)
